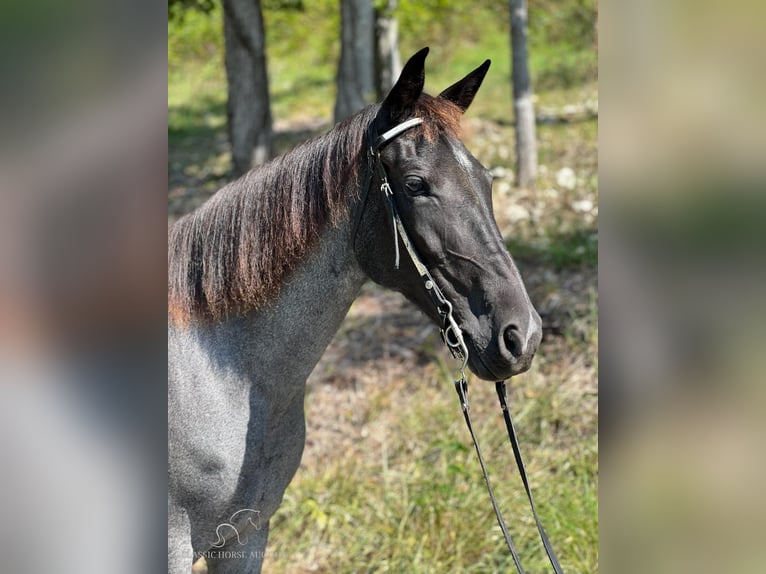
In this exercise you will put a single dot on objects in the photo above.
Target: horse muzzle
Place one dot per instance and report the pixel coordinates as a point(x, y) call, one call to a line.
point(508, 351)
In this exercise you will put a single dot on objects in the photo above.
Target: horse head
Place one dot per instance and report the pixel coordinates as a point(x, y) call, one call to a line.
point(443, 196)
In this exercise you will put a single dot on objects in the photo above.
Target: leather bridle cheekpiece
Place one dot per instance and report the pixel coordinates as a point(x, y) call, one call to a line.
point(450, 330)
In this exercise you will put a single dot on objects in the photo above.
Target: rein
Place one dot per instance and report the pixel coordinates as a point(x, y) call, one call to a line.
point(450, 330)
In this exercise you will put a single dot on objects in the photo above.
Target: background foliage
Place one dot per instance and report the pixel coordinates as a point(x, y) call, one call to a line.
point(303, 45)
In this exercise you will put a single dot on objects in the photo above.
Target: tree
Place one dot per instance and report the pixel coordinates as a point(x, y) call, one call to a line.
point(523, 108)
point(388, 63)
point(248, 106)
point(356, 69)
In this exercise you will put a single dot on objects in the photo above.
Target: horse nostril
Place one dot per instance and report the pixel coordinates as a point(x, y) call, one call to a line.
point(513, 342)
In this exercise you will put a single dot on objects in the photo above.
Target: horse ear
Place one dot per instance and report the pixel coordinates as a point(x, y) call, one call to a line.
point(462, 93)
point(399, 102)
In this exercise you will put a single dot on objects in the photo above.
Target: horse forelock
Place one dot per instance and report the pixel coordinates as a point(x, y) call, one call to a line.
point(440, 117)
point(234, 252)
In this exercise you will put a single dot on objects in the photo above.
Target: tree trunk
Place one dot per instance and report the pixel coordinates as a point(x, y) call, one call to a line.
point(248, 107)
point(523, 109)
point(356, 69)
point(388, 64)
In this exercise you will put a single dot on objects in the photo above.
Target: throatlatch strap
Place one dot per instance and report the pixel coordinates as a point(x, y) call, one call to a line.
point(376, 144)
point(501, 394)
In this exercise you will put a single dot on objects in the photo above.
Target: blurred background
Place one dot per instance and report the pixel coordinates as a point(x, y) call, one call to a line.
point(83, 219)
point(681, 150)
point(83, 151)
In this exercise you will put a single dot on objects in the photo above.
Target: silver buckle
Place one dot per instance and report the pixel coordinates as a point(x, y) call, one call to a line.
point(453, 338)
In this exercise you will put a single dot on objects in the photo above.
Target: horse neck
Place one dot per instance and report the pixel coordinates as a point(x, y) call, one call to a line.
point(281, 343)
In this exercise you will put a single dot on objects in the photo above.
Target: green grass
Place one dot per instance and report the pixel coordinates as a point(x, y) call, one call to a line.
point(410, 498)
point(420, 505)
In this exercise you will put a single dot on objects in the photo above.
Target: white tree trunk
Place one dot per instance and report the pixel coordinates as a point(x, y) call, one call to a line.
point(388, 62)
point(523, 108)
point(356, 69)
point(248, 105)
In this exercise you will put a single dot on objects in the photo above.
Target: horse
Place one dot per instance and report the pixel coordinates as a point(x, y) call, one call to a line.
point(261, 276)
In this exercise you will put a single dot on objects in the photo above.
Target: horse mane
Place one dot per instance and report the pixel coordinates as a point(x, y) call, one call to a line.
point(233, 253)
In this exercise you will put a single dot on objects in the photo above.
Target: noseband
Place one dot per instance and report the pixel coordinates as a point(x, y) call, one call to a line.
point(450, 330)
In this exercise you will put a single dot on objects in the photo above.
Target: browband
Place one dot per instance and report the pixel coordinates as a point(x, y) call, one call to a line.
point(386, 137)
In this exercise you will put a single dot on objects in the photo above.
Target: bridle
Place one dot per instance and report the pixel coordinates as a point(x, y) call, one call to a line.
point(451, 333)
point(450, 330)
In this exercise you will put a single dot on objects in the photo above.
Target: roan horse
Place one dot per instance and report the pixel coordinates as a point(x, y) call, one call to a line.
point(261, 276)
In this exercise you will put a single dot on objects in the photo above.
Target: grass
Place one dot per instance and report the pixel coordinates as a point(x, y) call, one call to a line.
point(417, 502)
point(407, 495)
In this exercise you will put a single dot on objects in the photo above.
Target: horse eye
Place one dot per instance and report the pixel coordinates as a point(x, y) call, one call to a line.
point(415, 184)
